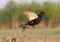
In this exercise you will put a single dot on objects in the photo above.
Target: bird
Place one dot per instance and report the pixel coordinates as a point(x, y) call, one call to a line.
point(33, 18)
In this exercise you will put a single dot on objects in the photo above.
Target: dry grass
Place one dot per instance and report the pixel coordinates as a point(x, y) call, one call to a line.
point(31, 35)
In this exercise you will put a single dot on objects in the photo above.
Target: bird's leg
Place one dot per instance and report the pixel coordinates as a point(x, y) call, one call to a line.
point(23, 26)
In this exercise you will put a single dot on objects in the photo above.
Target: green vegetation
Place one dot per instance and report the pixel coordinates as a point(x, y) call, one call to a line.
point(12, 14)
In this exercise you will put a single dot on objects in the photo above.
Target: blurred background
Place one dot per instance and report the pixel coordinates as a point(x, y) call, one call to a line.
point(11, 12)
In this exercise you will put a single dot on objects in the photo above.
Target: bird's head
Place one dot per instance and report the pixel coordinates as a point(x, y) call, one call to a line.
point(43, 11)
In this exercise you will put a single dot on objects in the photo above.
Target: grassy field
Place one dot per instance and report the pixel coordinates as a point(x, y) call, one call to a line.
point(31, 35)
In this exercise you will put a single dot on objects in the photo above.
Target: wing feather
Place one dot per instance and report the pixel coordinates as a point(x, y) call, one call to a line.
point(30, 15)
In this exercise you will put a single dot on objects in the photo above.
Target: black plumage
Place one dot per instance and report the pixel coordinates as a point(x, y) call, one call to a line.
point(33, 21)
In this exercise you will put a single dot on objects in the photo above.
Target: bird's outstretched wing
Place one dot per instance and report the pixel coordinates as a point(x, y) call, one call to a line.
point(30, 15)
